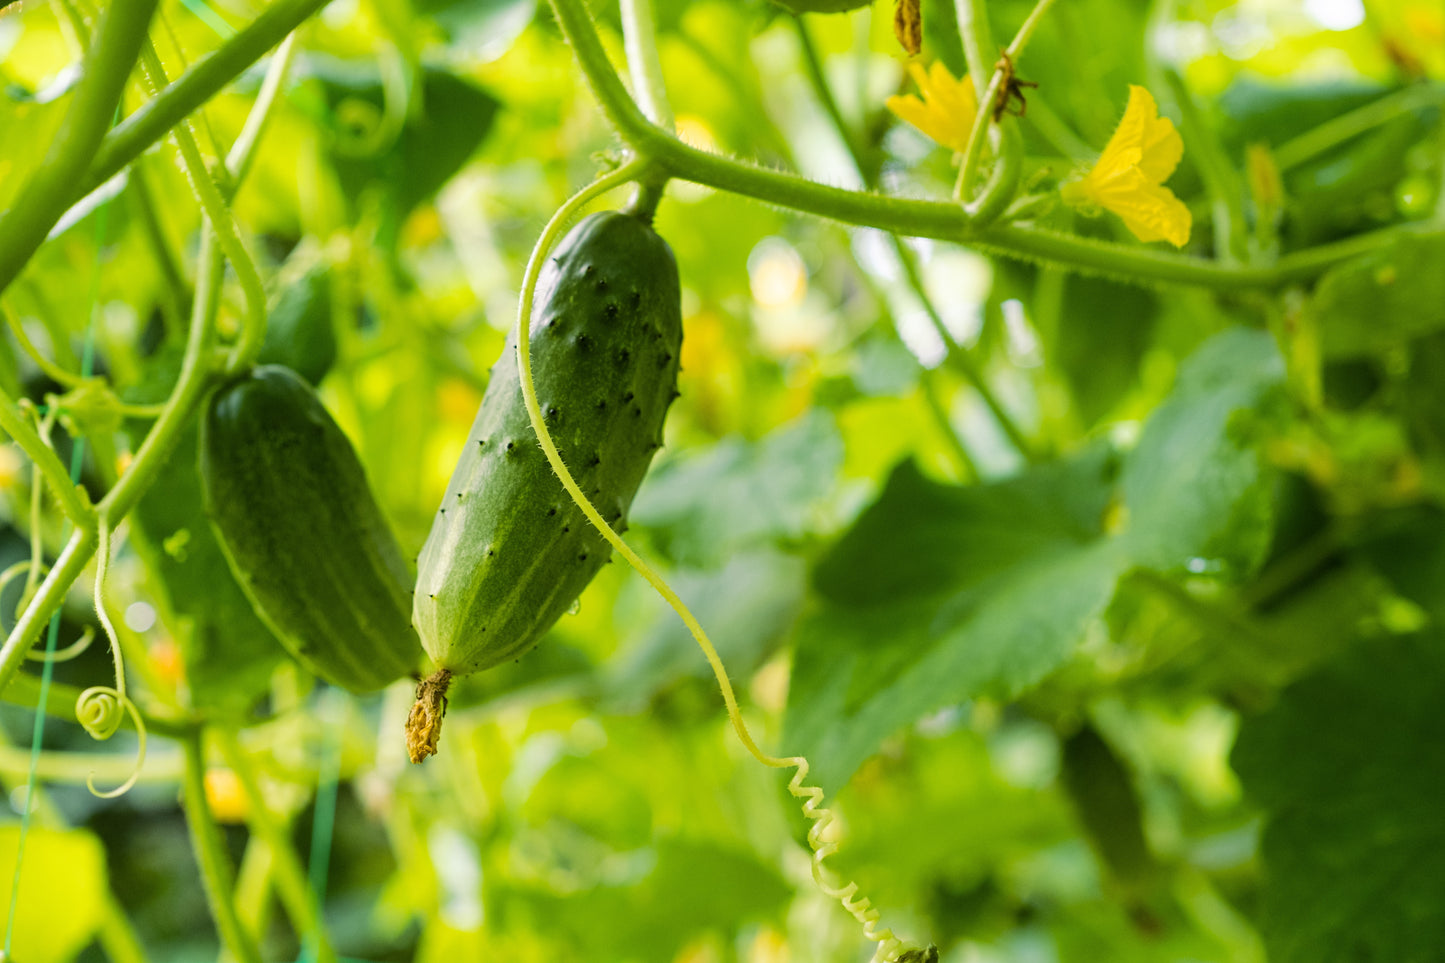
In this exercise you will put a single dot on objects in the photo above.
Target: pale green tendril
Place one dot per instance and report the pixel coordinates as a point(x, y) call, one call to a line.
point(101, 709)
point(861, 909)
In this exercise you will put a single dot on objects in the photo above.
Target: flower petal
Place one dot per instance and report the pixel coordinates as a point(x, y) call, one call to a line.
point(946, 111)
point(956, 99)
point(911, 109)
point(1158, 145)
point(1150, 211)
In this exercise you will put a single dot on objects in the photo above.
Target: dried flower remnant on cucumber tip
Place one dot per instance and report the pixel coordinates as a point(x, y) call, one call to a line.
point(424, 722)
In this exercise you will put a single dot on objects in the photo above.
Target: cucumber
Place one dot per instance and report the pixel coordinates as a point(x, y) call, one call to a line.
point(509, 551)
point(299, 333)
point(289, 502)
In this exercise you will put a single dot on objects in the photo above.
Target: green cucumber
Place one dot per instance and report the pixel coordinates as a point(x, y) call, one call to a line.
point(509, 551)
point(299, 333)
point(302, 532)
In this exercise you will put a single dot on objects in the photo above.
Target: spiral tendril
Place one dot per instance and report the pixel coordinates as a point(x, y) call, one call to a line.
point(889, 947)
point(101, 709)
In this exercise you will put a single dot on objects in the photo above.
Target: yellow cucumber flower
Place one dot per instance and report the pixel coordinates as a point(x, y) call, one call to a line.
point(947, 109)
point(1129, 177)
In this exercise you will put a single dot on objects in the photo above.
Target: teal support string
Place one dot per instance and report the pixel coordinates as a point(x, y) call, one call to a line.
point(202, 11)
point(37, 736)
point(323, 819)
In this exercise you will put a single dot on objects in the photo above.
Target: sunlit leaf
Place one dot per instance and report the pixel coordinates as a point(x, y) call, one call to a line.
point(62, 892)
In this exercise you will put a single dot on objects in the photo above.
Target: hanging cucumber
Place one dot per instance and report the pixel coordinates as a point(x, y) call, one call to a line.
point(302, 531)
point(509, 551)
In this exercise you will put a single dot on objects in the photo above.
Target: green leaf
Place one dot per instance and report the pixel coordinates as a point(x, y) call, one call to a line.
point(30, 125)
point(1348, 767)
point(1408, 548)
point(1384, 299)
point(440, 130)
point(62, 892)
point(1104, 329)
point(693, 887)
point(1194, 488)
point(746, 606)
point(704, 507)
point(940, 593)
point(1251, 111)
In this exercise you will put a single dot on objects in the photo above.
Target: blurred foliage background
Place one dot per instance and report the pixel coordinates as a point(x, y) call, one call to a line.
point(1161, 683)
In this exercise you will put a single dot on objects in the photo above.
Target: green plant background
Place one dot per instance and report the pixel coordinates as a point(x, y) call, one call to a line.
point(1146, 669)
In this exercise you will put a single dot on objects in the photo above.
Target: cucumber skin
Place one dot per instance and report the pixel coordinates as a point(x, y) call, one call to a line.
point(509, 551)
point(289, 501)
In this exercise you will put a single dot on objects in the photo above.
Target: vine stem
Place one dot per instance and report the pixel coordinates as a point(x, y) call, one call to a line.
point(986, 101)
point(291, 883)
point(243, 150)
point(916, 218)
point(193, 88)
point(860, 908)
point(977, 39)
point(197, 375)
point(1337, 130)
point(944, 221)
point(47, 195)
point(217, 213)
point(211, 857)
point(1221, 179)
point(72, 498)
point(955, 355)
point(194, 379)
point(639, 40)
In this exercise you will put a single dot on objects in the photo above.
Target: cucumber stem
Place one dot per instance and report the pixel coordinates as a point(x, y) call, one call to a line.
point(648, 195)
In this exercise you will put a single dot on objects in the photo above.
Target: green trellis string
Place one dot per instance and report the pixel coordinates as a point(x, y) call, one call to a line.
point(323, 817)
point(77, 461)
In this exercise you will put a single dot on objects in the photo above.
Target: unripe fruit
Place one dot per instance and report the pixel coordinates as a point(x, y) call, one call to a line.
point(509, 551)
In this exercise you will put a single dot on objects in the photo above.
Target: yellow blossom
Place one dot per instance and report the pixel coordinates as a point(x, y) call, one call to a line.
point(947, 109)
point(1130, 174)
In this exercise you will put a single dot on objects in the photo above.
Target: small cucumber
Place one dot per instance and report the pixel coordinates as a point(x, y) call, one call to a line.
point(302, 532)
point(509, 551)
point(299, 333)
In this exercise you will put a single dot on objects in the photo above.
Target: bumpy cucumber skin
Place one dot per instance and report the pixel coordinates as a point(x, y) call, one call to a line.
point(509, 551)
point(303, 534)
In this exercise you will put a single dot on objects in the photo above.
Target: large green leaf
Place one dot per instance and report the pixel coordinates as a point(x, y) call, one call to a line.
point(62, 892)
point(704, 507)
point(1193, 489)
point(446, 120)
point(940, 593)
point(1382, 300)
point(1350, 769)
